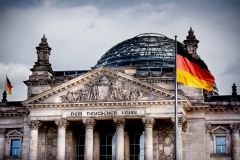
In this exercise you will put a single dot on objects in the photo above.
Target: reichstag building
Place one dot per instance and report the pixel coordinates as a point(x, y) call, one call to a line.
point(121, 109)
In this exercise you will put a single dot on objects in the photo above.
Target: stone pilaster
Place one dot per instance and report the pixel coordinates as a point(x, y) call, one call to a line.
point(26, 138)
point(148, 142)
point(88, 151)
point(34, 126)
point(96, 144)
point(119, 122)
point(2, 142)
point(208, 128)
point(61, 138)
point(181, 121)
point(235, 141)
point(126, 146)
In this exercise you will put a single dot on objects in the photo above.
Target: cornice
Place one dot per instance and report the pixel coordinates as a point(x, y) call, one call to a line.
point(109, 104)
point(96, 72)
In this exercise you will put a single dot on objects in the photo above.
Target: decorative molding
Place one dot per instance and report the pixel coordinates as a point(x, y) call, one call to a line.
point(148, 122)
point(62, 124)
point(89, 123)
point(208, 127)
point(34, 124)
point(214, 131)
point(119, 122)
point(234, 127)
point(2, 131)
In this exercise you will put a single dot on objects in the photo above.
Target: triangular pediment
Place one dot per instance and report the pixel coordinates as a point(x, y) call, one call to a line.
point(14, 133)
point(103, 85)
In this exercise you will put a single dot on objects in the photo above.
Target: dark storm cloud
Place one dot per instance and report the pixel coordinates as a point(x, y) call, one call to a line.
point(80, 32)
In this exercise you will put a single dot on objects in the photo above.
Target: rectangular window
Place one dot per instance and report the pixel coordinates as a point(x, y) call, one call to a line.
point(15, 147)
point(80, 147)
point(220, 144)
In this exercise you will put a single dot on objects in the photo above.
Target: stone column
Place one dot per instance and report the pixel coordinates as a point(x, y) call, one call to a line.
point(61, 138)
point(119, 122)
point(235, 141)
point(96, 144)
point(34, 126)
point(2, 142)
point(181, 121)
point(88, 150)
point(126, 146)
point(148, 139)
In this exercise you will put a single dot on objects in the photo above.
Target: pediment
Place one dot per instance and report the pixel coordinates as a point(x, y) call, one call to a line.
point(103, 85)
point(14, 133)
point(220, 129)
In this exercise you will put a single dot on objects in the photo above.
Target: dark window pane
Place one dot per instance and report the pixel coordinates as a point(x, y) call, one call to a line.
point(109, 150)
point(102, 150)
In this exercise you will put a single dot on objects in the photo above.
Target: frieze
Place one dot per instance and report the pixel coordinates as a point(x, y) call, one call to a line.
point(102, 113)
point(104, 88)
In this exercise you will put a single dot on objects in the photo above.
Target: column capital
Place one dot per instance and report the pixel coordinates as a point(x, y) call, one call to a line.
point(181, 121)
point(89, 123)
point(61, 123)
point(148, 122)
point(2, 131)
point(34, 124)
point(234, 127)
point(119, 122)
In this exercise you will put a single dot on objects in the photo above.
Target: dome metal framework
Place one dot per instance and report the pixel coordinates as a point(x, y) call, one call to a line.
point(148, 51)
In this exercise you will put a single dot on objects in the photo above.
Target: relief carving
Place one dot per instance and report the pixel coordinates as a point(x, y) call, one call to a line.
point(51, 143)
point(166, 142)
point(103, 88)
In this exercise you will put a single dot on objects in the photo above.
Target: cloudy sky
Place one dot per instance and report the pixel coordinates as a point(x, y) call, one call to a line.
point(81, 31)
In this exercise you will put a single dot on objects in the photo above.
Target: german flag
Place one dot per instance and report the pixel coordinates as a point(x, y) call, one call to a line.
point(193, 72)
point(8, 86)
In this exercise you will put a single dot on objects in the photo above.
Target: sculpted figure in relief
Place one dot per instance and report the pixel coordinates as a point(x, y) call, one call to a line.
point(103, 88)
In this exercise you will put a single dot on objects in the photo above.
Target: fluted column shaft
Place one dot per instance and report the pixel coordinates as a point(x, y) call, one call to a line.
point(61, 138)
point(148, 141)
point(119, 122)
point(88, 150)
point(2, 142)
point(34, 126)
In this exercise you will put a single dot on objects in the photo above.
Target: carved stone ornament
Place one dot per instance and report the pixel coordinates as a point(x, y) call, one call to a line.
point(148, 122)
point(234, 127)
point(166, 142)
point(2, 130)
point(61, 123)
point(181, 121)
point(103, 88)
point(34, 124)
point(208, 127)
point(51, 143)
point(119, 122)
point(89, 123)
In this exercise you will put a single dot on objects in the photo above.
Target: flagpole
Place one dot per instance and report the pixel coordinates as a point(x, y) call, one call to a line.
point(5, 83)
point(176, 109)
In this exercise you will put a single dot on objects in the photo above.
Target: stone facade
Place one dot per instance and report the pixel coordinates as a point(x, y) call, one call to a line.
point(70, 119)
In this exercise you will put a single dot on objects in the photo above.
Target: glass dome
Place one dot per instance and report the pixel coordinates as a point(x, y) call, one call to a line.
point(148, 51)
